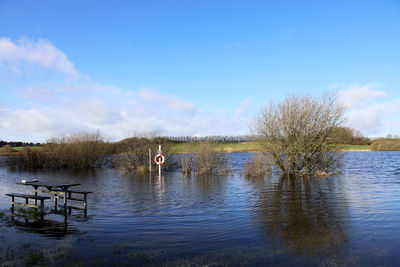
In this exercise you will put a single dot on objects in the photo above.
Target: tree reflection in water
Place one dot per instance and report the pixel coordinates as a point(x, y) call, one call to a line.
point(305, 215)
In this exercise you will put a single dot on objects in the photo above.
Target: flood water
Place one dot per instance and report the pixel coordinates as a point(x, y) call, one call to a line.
point(349, 219)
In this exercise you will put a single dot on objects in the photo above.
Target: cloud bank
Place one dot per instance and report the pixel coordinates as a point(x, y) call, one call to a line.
point(42, 106)
point(370, 109)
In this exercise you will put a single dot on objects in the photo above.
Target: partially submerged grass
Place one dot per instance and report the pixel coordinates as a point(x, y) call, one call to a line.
point(386, 144)
point(6, 150)
point(82, 151)
point(257, 166)
point(133, 154)
point(204, 160)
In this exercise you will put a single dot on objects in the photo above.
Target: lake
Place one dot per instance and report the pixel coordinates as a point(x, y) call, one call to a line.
point(348, 219)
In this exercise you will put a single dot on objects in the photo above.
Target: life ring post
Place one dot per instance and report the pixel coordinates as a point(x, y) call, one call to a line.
point(159, 159)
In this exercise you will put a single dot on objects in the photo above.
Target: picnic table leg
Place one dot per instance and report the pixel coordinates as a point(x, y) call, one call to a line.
point(65, 198)
point(55, 200)
point(12, 215)
point(85, 201)
point(41, 204)
point(12, 203)
point(36, 191)
point(65, 220)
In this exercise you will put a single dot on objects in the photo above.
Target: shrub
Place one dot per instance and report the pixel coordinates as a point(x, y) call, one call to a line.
point(28, 159)
point(360, 140)
point(204, 160)
point(79, 151)
point(385, 145)
point(6, 150)
point(296, 134)
point(133, 153)
point(187, 164)
point(257, 166)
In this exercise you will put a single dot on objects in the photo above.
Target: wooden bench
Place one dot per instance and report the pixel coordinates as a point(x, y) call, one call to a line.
point(27, 197)
point(70, 197)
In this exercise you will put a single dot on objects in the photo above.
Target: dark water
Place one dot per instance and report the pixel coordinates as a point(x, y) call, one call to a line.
point(348, 219)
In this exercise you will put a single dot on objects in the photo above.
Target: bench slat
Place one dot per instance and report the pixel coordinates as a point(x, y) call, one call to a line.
point(27, 196)
point(75, 199)
point(74, 191)
point(80, 191)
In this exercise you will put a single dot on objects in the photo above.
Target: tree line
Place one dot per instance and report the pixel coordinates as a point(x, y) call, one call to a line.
point(16, 144)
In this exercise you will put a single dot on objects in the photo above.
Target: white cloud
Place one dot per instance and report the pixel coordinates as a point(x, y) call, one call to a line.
point(45, 108)
point(371, 110)
point(243, 106)
point(169, 101)
point(114, 120)
point(41, 53)
point(37, 93)
point(356, 95)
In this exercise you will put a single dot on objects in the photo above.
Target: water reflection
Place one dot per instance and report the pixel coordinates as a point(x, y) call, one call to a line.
point(53, 223)
point(180, 220)
point(306, 216)
point(159, 187)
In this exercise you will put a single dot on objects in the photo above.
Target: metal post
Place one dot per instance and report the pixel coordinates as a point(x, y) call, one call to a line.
point(159, 165)
point(150, 159)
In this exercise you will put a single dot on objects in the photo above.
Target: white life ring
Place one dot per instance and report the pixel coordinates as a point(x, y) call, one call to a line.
point(159, 159)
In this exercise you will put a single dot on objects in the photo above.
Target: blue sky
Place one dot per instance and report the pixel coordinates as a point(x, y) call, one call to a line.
point(191, 67)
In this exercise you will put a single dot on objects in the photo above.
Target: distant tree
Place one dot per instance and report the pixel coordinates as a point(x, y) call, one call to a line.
point(359, 138)
point(350, 136)
point(296, 133)
point(341, 135)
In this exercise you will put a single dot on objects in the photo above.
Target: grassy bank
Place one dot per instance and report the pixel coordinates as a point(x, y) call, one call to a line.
point(230, 147)
point(227, 147)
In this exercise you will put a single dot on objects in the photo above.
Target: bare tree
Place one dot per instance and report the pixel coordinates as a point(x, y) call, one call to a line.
point(296, 133)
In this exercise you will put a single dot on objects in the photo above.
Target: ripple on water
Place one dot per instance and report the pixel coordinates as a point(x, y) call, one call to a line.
point(227, 219)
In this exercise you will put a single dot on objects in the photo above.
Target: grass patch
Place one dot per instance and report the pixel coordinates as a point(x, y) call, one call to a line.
point(227, 147)
point(355, 147)
point(18, 148)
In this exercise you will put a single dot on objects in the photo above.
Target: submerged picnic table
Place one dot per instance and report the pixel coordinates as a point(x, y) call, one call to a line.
point(54, 188)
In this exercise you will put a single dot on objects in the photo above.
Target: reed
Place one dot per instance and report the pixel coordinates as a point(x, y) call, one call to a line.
point(257, 166)
point(6, 150)
point(204, 161)
point(133, 153)
point(79, 151)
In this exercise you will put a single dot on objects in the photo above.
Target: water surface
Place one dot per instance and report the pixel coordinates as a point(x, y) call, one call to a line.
point(349, 219)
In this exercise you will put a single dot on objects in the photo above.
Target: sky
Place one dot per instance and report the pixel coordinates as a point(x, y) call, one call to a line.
point(191, 68)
